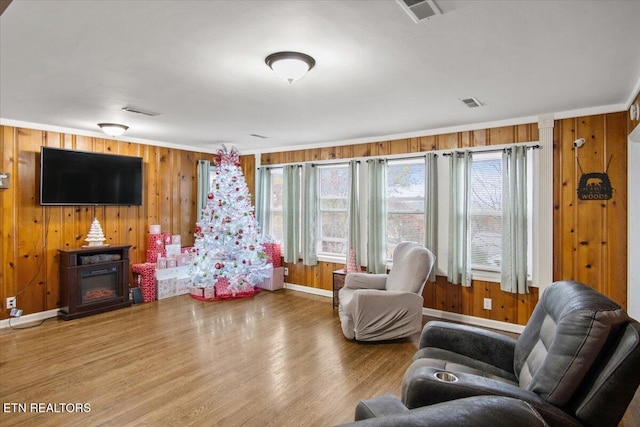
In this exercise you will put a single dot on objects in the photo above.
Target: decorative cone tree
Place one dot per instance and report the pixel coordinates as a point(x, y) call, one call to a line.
point(228, 244)
point(95, 237)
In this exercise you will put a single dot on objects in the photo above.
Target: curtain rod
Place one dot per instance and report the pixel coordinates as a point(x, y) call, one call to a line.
point(496, 150)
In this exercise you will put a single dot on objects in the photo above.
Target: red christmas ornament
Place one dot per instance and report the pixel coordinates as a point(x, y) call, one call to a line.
point(251, 247)
point(210, 196)
point(219, 266)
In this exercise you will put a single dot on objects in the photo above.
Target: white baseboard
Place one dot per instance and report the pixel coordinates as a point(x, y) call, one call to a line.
point(34, 317)
point(308, 290)
point(472, 320)
point(455, 317)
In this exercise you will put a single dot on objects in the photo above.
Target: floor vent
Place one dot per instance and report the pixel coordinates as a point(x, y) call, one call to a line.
point(471, 102)
point(420, 10)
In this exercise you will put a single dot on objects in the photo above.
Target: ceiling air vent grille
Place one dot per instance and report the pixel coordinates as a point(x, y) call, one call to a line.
point(137, 111)
point(419, 10)
point(471, 102)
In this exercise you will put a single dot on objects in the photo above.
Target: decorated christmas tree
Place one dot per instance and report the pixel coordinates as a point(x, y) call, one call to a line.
point(228, 244)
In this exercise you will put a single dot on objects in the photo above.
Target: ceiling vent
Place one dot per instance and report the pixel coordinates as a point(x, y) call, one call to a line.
point(471, 102)
point(144, 113)
point(419, 10)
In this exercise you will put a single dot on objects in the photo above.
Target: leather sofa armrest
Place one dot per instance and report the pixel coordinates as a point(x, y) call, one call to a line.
point(379, 406)
point(477, 411)
point(421, 387)
point(486, 346)
point(365, 281)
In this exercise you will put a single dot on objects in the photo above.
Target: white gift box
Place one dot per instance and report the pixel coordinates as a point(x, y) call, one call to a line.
point(172, 250)
point(166, 288)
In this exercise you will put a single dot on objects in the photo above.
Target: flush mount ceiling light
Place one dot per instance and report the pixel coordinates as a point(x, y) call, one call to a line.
point(290, 66)
point(113, 129)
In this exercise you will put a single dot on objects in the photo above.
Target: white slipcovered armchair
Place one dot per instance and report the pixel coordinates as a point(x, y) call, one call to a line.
point(376, 307)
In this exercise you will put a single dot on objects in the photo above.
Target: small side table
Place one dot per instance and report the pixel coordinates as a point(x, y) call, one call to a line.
point(338, 283)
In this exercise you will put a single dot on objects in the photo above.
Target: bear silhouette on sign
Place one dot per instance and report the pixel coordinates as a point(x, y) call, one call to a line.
point(595, 186)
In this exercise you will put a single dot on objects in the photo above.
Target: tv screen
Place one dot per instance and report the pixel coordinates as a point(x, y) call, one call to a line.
point(69, 177)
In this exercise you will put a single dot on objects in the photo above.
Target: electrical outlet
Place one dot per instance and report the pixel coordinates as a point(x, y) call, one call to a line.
point(11, 302)
point(286, 271)
point(487, 303)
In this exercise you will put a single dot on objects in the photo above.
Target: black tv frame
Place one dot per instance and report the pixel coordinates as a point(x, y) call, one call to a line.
point(84, 178)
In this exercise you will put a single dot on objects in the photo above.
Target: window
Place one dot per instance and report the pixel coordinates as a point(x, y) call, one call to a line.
point(405, 202)
point(333, 217)
point(485, 212)
point(275, 221)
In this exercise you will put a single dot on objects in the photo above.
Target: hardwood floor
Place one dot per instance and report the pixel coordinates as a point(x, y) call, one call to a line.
point(277, 359)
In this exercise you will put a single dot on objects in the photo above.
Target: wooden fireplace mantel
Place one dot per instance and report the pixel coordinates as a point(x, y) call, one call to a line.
point(78, 263)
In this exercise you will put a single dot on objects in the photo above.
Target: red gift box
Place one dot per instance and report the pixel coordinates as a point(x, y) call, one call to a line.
point(145, 278)
point(274, 253)
point(156, 242)
point(153, 254)
point(223, 291)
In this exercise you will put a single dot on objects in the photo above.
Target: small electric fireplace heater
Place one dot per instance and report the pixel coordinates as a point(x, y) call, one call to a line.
point(93, 280)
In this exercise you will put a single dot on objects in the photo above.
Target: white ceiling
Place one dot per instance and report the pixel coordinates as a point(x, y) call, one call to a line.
point(200, 64)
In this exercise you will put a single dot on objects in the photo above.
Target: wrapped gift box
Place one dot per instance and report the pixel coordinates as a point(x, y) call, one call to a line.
point(156, 242)
point(183, 285)
point(274, 281)
point(223, 291)
point(166, 288)
point(203, 293)
point(274, 253)
point(144, 277)
point(172, 250)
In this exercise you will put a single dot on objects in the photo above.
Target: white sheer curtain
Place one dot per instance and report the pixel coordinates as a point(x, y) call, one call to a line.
point(291, 213)
point(309, 214)
point(377, 216)
point(203, 185)
point(459, 262)
point(263, 198)
point(513, 276)
point(431, 206)
point(353, 242)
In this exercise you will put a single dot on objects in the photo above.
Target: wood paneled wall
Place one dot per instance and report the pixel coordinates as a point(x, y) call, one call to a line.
point(440, 295)
point(589, 237)
point(590, 243)
point(32, 234)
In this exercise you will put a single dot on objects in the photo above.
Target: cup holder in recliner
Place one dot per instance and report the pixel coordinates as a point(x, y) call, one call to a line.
point(446, 377)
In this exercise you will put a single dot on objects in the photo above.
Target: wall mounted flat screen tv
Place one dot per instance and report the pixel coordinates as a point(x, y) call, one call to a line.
point(69, 177)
